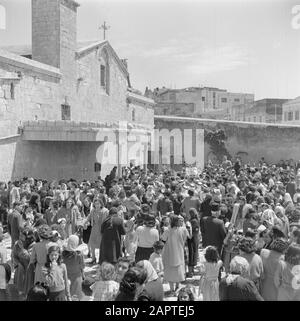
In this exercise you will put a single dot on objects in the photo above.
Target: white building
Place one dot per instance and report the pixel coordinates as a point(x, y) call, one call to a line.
point(291, 111)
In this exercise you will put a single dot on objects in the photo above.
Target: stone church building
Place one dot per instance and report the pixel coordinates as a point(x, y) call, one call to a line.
point(68, 109)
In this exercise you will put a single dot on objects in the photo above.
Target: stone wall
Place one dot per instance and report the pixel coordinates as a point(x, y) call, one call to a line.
point(248, 140)
point(94, 104)
point(35, 97)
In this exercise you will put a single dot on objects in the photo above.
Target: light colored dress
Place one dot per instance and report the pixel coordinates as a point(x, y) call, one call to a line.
point(271, 261)
point(209, 285)
point(39, 256)
point(286, 281)
point(256, 268)
point(96, 219)
point(173, 254)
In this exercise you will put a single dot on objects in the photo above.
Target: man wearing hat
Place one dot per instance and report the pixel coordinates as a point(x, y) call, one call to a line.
point(213, 229)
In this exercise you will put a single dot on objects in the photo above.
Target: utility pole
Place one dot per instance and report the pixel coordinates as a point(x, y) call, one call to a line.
point(104, 27)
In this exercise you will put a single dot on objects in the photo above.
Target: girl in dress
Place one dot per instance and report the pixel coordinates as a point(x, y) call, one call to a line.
point(185, 294)
point(56, 276)
point(209, 283)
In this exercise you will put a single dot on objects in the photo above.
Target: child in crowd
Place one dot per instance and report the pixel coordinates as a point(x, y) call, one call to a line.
point(56, 277)
point(209, 283)
point(62, 228)
point(105, 288)
point(74, 262)
point(156, 258)
point(130, 240)
point(38, 292)
point(185, 294)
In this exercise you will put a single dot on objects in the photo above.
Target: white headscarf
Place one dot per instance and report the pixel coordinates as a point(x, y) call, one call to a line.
point(151, 273)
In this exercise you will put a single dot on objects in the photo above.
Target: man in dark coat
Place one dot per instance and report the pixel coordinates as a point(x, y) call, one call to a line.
point(15, 223)
point(112, 229)
point(165, 205)
point(213, 229)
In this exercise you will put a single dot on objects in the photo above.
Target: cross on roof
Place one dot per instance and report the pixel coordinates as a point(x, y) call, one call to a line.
point(104, 27)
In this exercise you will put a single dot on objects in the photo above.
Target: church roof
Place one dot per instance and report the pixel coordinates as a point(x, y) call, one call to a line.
point(83, 47)
point(100, 44)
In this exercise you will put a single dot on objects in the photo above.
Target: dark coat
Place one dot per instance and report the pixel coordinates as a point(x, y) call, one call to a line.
point(153, 291)
point(240, 289)
point(15, 223)
point(110, 248)
point(213, 232)
point(164, 206)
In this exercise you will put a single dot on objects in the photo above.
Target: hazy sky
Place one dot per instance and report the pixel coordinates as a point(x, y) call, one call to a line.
point(242, 46)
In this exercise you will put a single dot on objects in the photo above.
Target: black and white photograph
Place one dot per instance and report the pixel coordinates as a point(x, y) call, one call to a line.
point(150, 151)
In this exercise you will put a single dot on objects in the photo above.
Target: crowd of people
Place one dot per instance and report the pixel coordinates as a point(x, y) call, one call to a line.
point(145, 228)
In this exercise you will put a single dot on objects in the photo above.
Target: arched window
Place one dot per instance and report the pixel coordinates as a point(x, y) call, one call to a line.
point(2, 17)
point(104, 71)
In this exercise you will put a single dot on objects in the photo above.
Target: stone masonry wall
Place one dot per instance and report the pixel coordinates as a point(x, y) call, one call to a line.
point(248, 140)
point(94, 104)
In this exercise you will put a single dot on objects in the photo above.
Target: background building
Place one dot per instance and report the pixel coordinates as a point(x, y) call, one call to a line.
point(62, 104)
point(204, 102)
point(268, 110)
point(290, 111)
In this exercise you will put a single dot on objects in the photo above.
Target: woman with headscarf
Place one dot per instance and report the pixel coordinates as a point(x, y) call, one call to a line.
point(236, 286)
point(153, 288)
point(112, 230)
point(288, 205)
point(74, 262)
point(271, 262)
point(281, 220)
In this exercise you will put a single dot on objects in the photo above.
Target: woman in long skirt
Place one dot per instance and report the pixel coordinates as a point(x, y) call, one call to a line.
point(96, 218)
point(173, 253)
